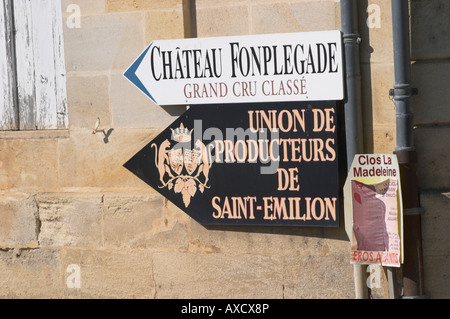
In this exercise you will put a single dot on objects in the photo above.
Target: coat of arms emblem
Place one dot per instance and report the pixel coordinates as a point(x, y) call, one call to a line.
point(182, 166)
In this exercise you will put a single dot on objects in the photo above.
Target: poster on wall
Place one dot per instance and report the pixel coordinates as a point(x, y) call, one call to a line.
point(373, 210)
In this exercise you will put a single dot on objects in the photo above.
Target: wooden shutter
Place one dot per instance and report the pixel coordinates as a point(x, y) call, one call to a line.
point(8, 107)
point(39, 64)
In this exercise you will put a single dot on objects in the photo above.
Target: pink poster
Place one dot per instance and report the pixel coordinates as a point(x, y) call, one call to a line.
point(375, 229)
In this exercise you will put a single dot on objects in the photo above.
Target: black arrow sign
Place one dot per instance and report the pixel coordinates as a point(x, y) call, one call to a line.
point(248, 164)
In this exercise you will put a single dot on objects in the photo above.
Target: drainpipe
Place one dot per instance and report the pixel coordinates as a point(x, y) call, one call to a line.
point(402, 92)
point(352, 108)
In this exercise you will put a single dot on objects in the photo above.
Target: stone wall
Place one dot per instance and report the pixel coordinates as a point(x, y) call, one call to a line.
point(66, 199)
point(430, 73)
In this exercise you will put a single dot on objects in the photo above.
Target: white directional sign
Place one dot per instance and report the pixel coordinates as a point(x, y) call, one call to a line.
point(257, 68)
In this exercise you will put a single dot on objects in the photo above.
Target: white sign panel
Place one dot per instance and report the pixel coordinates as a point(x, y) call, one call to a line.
point(257, 68)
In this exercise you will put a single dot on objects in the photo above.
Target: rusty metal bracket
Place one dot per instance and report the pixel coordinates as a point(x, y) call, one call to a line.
point(414, 211)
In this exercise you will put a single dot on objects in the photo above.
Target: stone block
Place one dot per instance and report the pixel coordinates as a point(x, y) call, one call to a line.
point(285, 17)
point(132, 109)
point(380, 139)
point(377, 281)
point(430, 105)
point(28, 163)
point(70, 219)
point(19, 223)
point(187, 275)
point(141, 221)
point(88, 160)
point(375, 27)
point(430, 34)
point(257, 240)
point(88, 98)
point(222, 21)
point(86, 6)
point(433, 171)
point(164, 24)
point(437, 276)
point(318, 277)
point(435, 223)
point(378, 107)
point(219, 3)
point(104, 43)
point(123, 274)
point(132, 5)
point(29, 274)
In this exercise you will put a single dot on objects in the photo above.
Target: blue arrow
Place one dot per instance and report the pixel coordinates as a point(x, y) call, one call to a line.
point(130, 74)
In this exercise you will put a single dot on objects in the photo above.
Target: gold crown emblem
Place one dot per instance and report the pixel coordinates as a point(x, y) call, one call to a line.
point(181, 134)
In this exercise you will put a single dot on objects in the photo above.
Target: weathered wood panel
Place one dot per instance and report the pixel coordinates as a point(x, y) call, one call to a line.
point(60, 67)
point(8, 110)
point(44, 64)
point(25, 64)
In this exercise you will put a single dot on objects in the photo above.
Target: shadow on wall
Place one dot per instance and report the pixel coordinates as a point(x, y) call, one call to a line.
point(318, 232)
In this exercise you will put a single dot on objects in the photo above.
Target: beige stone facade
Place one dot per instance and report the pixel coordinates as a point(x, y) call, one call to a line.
point(66, 199)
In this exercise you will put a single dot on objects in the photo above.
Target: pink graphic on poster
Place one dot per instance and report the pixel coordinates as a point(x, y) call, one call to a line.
point(375, 230)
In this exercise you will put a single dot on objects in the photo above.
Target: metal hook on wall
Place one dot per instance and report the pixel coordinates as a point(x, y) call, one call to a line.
point(106, 134)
